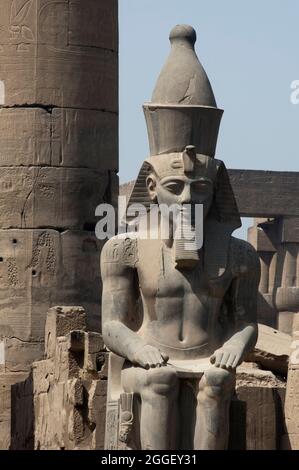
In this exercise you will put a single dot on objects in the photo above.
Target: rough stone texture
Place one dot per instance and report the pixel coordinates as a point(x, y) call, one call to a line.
point(291, 436)
point(59, 137)
point(46, 59)
point(62, 403)
point(51, 197)
point(266, 193)
point(6, 381)
point(58, 160)
point(272, 350)
point(277, 243)
point(40, 268)
point(257, 410)
point(261, 239)
point(289, 229)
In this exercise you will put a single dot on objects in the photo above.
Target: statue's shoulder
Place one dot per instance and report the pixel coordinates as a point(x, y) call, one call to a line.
point(121, 251)
point(243, 257)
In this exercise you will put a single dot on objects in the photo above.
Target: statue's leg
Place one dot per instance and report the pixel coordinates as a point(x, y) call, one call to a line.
point(158, 390)
point(216, 389)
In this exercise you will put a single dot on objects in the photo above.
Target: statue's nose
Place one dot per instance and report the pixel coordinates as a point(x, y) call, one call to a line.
point(186, 195)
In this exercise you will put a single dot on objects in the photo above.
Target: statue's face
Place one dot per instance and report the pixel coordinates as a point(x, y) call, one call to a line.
point(181, 190)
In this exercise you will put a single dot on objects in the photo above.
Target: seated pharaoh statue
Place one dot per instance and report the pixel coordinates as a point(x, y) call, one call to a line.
point(179, 308)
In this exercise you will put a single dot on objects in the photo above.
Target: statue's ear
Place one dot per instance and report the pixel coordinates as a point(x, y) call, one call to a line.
point(225, 208)
point(151, 184)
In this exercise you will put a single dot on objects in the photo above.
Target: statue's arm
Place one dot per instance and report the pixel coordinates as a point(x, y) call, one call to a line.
point(243, 307)
point(118, 300)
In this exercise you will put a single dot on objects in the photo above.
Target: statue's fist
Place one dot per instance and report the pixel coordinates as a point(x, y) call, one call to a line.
point(228, 357)
point(149, 356)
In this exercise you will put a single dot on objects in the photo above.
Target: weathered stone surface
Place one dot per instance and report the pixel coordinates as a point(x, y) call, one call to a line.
point(265, 193)
point(39, 269)
point(260, 239)
point(62, 404)
point(40, 63)
point(61, 137)
point(125, 189)
point(93, 23)
point(256, 411)
point(50, 197)
point(25, 137)
point(272, 350)
point(81, 280)
point(60, 321)
point(6, 381)
point(291, 436)
point(19, 355)
point(289, 230)
point(84, 138)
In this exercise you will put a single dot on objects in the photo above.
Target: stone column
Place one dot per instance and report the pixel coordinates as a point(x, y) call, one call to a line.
point(277, 243)
point(287, 295)
point(265, 244)
point(59, 160)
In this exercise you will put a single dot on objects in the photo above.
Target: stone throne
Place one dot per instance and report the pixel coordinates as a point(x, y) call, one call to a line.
point(219, 279)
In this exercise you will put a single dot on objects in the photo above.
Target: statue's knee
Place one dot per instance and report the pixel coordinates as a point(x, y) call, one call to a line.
point(161, 380)
point(218, 383)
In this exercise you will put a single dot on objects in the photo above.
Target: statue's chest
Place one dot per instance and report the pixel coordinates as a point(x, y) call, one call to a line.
point(158, 277)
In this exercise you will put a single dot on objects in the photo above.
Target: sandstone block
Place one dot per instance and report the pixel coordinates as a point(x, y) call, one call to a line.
point(272, 350)
point(265, 193)
point(42, 268)
point(42, 372)
point(75, 392)
point(94, 345)
point(289, 229)
point(257, 410)
point(6, 382)
point(260, 240)
point(84, 138)
point(25, 137)
point(40, 65)
point(20, 355)
point(61, 137)
point(292, 406)
point(93, 23)
point(61, 321)
point(50, 197)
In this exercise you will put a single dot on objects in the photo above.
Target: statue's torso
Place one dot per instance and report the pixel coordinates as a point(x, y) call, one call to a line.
point(182, 309)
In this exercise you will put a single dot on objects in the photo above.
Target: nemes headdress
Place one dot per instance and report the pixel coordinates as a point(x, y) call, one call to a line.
point(183, 123)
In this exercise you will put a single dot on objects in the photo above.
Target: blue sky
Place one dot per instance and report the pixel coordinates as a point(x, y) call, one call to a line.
point(250, 51)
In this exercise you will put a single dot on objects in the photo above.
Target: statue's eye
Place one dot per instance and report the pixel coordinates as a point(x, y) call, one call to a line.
point(175, 187)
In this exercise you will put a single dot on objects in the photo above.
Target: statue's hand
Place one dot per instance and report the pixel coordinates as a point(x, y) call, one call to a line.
point(229, 356)
point(149, 356)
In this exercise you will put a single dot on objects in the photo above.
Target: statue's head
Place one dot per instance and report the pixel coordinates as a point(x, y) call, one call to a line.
point(183, 123)
point(182, 179)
